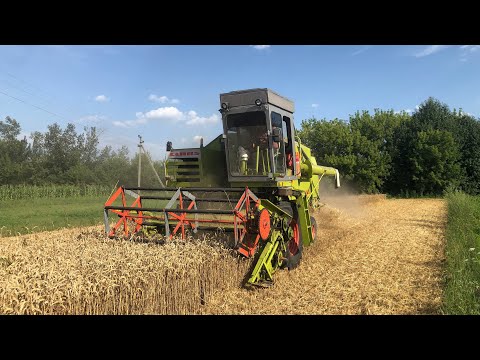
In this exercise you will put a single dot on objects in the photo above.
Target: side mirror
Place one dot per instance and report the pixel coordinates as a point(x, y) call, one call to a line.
point(169, 145)
point(277, 134)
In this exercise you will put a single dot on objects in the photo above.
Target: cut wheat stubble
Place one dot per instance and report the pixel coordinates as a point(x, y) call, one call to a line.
point(373, 256)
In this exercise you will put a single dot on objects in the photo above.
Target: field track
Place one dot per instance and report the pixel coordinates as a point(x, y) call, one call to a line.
point(372, 256)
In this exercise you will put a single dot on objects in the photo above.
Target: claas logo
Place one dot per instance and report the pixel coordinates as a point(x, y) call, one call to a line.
point(184, 153)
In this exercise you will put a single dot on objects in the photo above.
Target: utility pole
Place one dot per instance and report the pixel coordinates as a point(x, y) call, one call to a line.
point(140, 149)
point(140, 146)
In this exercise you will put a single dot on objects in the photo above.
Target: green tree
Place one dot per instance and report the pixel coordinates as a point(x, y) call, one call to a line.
point(14, 153)
point(375, 134)
point(433, 114)
point(10, 129)
point(332, 144)
point(113, 166)
point(89, 146)
point(360, 148)
point(435, 162)
point(425, 150)
point(467, 135)
point(62, 150)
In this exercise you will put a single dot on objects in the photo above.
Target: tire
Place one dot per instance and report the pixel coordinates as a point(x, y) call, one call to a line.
point(295, 245)
point(313, 222)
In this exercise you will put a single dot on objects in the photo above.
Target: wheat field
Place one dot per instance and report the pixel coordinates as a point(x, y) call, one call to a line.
point(82, 272)
point(373, 256)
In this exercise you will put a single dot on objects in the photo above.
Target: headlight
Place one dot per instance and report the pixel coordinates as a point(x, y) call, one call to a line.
point(258, 102)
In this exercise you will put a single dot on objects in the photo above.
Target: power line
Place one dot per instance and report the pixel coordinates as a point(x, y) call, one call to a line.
point(35, 106)
point(31, 85)
point(49, 98)
point(25, 91)
point(66, 107)
point(29, 93)
point(46, 99)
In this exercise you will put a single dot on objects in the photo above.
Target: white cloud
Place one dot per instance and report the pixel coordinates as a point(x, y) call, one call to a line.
point(467, 50)
point(163, 113)
point(417, 107)
point(429, 50)
point(171, 114)
point(260, 47)
point(461, 112)
point(102, 98)
point(361, 50)
point(194, 119)
point(130, 123)
point(314, 105)
point(92, 119)
point(162, 99)
point(197, 138)
point(470, 48)
point(121, 123)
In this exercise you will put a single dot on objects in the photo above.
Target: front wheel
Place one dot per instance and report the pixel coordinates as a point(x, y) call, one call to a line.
point(295, 244)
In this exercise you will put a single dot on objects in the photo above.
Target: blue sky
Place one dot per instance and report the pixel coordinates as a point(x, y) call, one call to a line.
point(172, 92)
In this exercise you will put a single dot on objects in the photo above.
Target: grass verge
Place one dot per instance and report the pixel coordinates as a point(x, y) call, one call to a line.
point(34, 215)
point(462, 283)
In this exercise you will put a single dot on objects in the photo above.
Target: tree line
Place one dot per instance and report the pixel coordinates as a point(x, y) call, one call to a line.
point(423, 153)
point(66, 156)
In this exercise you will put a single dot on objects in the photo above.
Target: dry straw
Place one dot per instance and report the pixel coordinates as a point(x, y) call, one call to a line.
point(373, 256)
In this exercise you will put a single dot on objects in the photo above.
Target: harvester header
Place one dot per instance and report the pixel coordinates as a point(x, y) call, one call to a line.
point(256, 180)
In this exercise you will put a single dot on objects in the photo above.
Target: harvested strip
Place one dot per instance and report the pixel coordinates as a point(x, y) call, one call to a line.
point(373, 256)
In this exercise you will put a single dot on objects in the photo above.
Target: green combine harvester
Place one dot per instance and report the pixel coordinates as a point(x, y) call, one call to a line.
point(256, 180)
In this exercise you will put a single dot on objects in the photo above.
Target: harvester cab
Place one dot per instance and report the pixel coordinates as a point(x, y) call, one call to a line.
point(256, 180)
point(258, 131)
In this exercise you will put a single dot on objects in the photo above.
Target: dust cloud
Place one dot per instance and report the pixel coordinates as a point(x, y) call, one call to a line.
point(344, 199)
